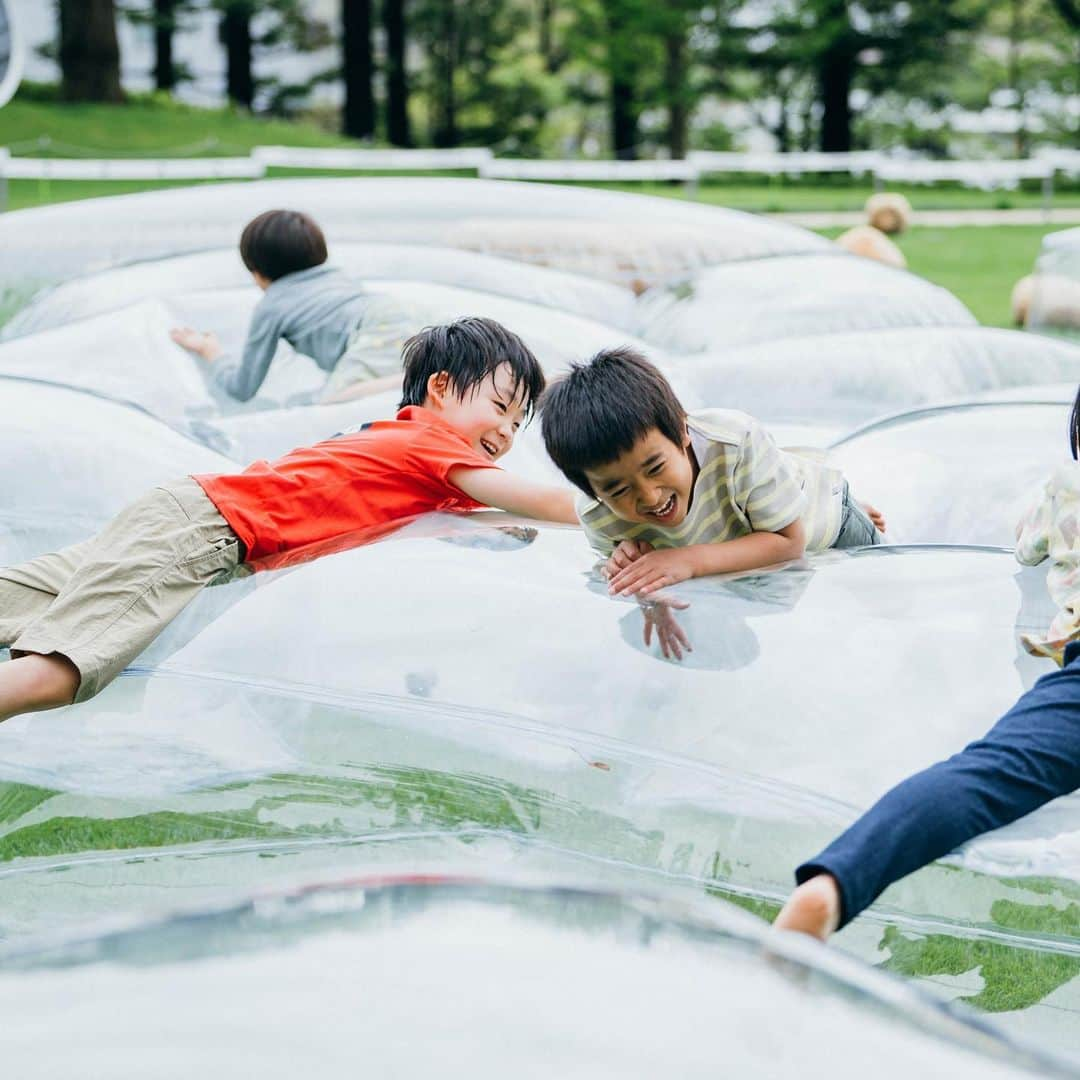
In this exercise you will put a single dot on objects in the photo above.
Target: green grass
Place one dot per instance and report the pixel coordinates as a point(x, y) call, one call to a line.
point(147, 127)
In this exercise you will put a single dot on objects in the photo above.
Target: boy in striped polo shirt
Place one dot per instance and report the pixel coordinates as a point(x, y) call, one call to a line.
point(670, 496)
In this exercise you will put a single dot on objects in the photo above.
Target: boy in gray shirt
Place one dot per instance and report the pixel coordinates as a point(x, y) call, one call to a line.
point(355, 337)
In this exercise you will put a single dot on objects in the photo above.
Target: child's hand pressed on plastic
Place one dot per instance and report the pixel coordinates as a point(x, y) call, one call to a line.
point(653, 570)
point(660, 615)
point(626, 553)
point(201, 344)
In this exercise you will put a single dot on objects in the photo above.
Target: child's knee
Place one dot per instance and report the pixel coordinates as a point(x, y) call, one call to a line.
point(53, 678)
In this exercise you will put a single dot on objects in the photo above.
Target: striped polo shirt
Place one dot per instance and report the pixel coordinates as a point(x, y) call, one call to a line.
point(745, 484)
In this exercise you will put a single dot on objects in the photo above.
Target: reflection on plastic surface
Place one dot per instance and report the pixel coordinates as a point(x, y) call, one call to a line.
point(786, 297)
point(244, 688)
point(958, 474)
point(604, 983)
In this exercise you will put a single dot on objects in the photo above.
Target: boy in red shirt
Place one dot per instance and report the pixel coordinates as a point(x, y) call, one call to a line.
point(75, 618)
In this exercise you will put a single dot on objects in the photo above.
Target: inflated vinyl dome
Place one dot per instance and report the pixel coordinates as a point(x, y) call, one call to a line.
point(466, 697)
point(956, 474)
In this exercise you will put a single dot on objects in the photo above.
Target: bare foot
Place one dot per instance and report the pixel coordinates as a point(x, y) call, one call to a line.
point(813, 908)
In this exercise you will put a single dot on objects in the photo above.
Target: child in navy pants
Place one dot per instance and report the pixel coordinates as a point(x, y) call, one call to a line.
point(1030, 756)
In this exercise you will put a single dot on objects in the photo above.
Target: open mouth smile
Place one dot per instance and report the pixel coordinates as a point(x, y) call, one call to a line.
point(489, 448)
point(666, 512)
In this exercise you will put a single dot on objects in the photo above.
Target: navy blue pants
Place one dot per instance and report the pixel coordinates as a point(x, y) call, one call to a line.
point(1030, 756)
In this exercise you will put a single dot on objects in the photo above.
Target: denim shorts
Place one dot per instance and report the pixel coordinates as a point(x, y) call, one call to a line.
point(856, 529)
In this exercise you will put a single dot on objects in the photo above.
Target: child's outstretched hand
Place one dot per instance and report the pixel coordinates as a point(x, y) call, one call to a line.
point(201, 344)
point(660, 616)
point(651, 571)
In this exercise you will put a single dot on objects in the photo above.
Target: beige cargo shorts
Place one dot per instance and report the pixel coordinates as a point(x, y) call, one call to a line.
point(101, 602)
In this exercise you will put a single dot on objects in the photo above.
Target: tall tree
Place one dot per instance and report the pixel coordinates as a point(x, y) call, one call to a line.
point(844, 44)
point(621, 21)
point(443, 31)
point(235, 34)
point(673, 24)
point(397, 85)
point(164, 28)
point(838, 46)
point(89, 52)
point(163, 18)
point(358, 116)
point(546, 34)
point(485, 81)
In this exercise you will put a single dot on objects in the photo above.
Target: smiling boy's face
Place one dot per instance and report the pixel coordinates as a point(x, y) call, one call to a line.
point(651, 484)
point(490, 413)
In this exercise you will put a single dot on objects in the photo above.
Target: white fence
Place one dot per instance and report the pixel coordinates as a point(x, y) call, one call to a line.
point(985, 175)
point(20, 168)
point(535, 169)
point(857, 163)
point(299, 157)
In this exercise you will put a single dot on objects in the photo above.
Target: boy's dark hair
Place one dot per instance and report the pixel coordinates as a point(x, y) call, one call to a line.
point(468, 350)
point(603, 407)
point(280, 242)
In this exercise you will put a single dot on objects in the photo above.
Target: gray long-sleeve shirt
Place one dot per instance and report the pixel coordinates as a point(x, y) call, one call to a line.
point(314, 310)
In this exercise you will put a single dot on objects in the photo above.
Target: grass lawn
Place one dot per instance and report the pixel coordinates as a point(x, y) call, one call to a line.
point(146, 127)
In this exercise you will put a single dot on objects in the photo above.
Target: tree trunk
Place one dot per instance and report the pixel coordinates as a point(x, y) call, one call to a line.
point(835, 76)
point(624, 133)
point(397, 87)
point(236, 37)
point(621, 66)
point(675, 83)
point(547, 38)
point(446, 133)
point(164, 28)
point(782, 131)
point(89, 52)
point(359, 113)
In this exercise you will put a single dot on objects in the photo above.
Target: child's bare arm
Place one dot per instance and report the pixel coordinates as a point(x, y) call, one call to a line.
point(669, 566)
point(499, 489)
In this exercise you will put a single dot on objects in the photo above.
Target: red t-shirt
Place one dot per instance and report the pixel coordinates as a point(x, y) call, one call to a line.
point(344, 489)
